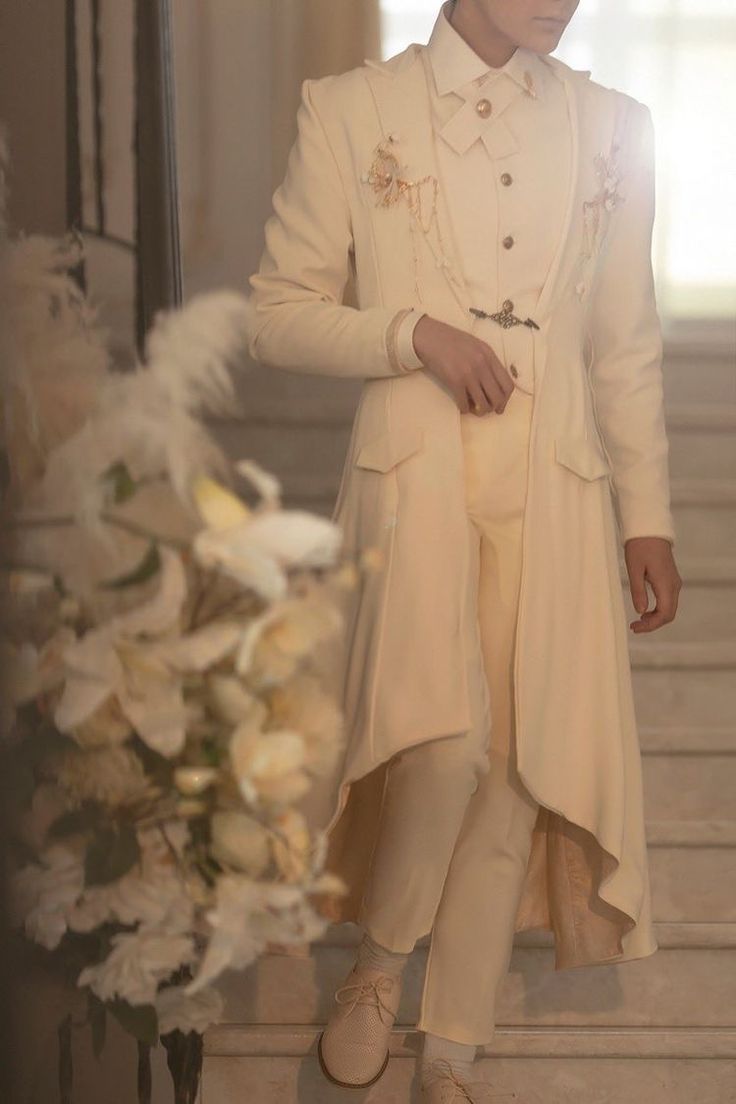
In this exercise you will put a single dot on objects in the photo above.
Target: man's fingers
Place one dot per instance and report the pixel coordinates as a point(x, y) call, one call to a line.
point(638, 588)
point(494, 395)
point(498, 371)
point(666, 595)
point(480, 403)
point(462, 400)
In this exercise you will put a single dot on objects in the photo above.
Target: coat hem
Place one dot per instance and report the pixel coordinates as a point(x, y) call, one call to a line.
point(567, 957)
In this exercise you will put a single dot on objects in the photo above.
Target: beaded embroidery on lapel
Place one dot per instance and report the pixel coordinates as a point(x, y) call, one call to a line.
point(388, 180)
point(606, 199)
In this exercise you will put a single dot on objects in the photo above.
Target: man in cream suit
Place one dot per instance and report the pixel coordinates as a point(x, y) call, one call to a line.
point(495, 210)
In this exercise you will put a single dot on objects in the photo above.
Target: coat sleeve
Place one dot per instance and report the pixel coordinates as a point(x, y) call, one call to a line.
point(626, 367)
point(297, 320)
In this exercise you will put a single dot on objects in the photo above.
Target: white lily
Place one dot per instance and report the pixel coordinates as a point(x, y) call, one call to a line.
point(112, 660)
point(268, 764)
point(275, 644)
point(256, 548)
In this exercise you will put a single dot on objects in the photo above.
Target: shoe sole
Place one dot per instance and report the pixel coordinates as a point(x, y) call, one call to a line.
point(348, 1084)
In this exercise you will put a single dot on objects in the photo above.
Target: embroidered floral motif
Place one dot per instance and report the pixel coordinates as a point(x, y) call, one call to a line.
point(389, 181)
point(606, 199)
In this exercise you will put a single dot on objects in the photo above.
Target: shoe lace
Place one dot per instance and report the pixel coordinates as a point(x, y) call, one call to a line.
point(367, 992)
point(456, 1088)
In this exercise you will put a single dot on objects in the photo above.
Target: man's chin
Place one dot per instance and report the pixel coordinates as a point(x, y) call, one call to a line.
point(544, 42)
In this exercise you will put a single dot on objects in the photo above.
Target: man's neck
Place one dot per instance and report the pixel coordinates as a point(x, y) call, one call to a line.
point(480, 33)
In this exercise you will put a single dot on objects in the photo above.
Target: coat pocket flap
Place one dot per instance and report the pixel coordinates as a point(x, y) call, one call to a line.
point(384, 452)
point(583, 455)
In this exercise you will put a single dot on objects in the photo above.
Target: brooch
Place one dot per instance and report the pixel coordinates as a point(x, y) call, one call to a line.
point(606, 199)
point(389, 181)
point(505, 318)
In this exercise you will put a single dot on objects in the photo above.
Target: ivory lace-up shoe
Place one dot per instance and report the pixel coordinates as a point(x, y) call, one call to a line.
point(442, 1085)
point(353, 1048)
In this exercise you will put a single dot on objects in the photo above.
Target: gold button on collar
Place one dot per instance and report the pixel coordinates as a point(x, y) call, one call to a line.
point(484, 108)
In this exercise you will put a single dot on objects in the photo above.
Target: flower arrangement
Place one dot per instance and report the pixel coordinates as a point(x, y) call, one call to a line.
point(164, 658)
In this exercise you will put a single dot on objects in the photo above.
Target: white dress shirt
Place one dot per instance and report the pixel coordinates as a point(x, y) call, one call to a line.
point(503, 146)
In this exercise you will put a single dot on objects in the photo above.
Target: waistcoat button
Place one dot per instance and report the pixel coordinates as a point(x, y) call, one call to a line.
point(507, 242)
point(506, 179)
point(513, 370)
point(507, 305)
point(484, 108)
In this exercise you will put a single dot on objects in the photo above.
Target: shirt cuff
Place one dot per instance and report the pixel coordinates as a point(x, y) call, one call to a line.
point(403, 351)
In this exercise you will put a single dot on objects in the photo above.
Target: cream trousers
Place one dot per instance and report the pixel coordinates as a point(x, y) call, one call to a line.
point(456, 821)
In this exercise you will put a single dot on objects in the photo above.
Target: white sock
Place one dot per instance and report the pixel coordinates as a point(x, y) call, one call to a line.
point(460, 1056)
point(377, 957)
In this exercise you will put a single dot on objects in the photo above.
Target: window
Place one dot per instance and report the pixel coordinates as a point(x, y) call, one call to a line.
point(678, 57)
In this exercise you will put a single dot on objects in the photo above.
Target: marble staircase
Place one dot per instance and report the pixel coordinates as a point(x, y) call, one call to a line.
point(661, 1030)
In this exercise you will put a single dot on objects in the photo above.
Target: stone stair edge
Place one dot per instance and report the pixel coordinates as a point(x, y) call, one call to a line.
point(670, 935)
point(688, 740)
point(705, 654)
point(299, 1041)
point(706, 415)
point(691, 833)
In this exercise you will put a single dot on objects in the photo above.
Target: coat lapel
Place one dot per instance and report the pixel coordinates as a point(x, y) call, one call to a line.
point(403, 106)
point(567, 239)
point(400, 91)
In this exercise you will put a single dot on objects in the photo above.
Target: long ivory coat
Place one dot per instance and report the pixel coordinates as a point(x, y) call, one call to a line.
point(598, 475)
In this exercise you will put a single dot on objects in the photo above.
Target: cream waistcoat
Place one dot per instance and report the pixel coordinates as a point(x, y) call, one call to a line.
point(498, 132)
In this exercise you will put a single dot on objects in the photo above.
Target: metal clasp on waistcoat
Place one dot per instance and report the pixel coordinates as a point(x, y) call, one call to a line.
point(505, 318)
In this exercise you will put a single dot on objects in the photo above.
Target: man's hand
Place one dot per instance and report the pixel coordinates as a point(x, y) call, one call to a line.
point(650, 559)
point(475, 376)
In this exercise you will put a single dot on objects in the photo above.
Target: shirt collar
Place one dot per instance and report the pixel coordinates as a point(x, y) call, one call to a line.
point(455, 63)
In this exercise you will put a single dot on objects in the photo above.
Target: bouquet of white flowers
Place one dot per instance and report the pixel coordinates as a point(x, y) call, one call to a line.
point(165, 704)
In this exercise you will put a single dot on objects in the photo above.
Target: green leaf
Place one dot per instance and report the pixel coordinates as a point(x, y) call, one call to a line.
point(146, 569)
point(110, 854)
point(121, 481)
point(97, 1016)
point(139, 1020)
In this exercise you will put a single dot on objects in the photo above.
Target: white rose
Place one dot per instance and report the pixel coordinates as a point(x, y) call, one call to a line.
point(137, 964)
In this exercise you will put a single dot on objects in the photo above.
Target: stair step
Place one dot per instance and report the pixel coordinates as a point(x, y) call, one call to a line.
point(672, 935)
point(674, 986)
point(703, 492)
point(706, 655)
point(691, 833)
point(531, 1080)
point(300, 1040)
point(683, 695)
point(702, 440)
point(717, 417)
point(689, 787)
point(692, 873)
point(697, 374)
point(691, 740)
